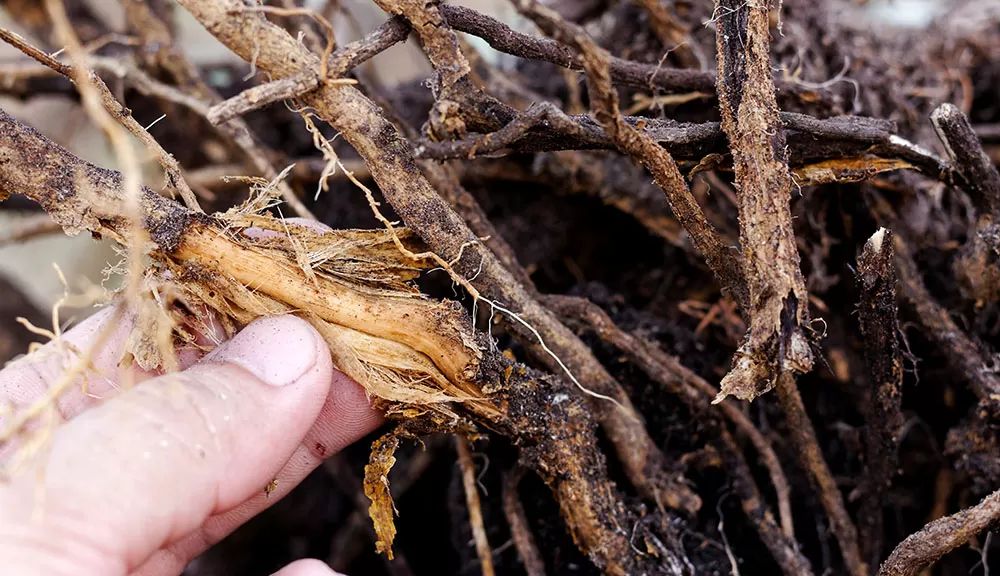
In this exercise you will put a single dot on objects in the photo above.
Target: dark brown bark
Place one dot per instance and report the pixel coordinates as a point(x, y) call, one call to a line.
point(877, 316)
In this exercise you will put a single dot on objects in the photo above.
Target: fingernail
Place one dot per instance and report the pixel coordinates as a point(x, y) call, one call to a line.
point(279, 350)
point(307, 567)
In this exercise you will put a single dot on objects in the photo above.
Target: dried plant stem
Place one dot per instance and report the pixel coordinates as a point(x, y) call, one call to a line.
point(350, 56)
point(964, 149)
point(262, 95)
point(532, 131)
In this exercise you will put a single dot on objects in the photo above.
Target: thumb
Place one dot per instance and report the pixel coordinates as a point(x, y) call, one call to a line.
point(307, 567)
point(144, 469)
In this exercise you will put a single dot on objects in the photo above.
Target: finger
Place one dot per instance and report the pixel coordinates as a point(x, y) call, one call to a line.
point(346, 416)
point(101, 337)
point(151, 465)
point(307, 567)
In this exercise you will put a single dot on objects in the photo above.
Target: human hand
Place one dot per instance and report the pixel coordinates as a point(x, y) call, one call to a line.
point(142, 480)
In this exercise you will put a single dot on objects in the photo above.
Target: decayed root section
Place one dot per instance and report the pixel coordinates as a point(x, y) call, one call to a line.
point(877, 316)
point(77, 195)
point(419, 357)
point(778, 303)
point(941, 536)
point(776, 347)
point(408, 190)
